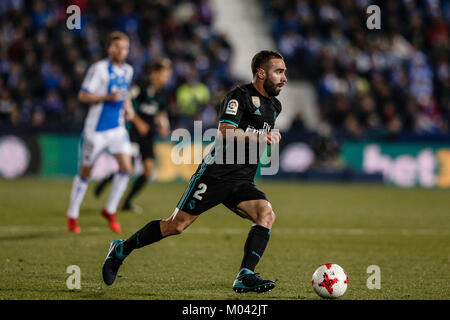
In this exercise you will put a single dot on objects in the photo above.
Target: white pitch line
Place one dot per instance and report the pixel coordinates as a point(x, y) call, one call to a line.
point(40, 228)
point(325, 231)
point(275, 230)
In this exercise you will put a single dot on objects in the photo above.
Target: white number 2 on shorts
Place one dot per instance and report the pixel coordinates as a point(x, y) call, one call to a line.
point(201, 189)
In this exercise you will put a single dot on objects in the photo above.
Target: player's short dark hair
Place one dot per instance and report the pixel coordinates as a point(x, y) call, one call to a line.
point(116, 35)
point(261, 58)
point(160, 64)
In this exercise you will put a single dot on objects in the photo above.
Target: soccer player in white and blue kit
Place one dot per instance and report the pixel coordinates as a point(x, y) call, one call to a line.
point(105, 89)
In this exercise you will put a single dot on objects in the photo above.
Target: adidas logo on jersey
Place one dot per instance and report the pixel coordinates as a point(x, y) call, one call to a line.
point(257, 112)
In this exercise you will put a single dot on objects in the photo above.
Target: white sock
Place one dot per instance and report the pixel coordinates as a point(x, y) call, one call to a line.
point(119, 185)
point(79, 187)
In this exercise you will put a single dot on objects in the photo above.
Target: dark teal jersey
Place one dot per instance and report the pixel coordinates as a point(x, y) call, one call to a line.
point(248, 110)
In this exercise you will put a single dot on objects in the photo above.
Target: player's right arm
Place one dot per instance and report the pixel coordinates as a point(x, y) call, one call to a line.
point(92, 98)
point(141, 126)
point(163, 124)
point(94, 84)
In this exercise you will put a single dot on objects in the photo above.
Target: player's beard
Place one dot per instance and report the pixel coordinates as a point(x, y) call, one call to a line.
point(271, 88)
point(117, 59)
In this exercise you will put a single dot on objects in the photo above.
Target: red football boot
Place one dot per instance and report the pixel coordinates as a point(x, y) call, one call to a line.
point(112, 220)
point(72, 225)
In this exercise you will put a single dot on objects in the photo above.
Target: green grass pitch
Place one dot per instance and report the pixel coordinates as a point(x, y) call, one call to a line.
point(403, 231)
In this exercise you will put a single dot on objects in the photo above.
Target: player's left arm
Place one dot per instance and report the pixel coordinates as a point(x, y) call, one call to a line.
point(128, 107)
point(128, 104)
point(271, 137)
point(274, 137)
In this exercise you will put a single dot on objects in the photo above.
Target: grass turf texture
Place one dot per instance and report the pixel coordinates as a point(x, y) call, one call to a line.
point(403, 231)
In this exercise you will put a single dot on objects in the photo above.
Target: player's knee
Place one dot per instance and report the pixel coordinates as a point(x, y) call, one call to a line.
point(175, 228)
point(147, 173)
point(148, 168)
point(179, 229)
point(85, 172)
point(266, 217)
point(85, 176)
point(270, 218)
point(128, 169)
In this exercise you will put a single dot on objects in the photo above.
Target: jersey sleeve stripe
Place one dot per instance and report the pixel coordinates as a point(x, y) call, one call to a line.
point(229, 121)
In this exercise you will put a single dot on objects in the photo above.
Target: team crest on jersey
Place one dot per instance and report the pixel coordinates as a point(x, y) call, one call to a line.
point(256, 101)
point(232, 107)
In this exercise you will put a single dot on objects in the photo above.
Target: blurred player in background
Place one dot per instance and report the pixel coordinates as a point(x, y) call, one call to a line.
point(105, 89)
point(248, 114)
point(150, 120)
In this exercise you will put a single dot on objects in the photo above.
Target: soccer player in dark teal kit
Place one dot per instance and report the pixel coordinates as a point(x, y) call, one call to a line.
point(248, 114)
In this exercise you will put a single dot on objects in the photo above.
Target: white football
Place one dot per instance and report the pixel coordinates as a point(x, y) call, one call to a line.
point(330, 281)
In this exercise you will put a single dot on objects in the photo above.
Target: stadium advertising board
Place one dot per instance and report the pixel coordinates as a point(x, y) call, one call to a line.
point(402, 164)
point(56, 155)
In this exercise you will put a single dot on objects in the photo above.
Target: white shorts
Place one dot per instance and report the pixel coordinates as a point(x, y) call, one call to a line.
point(116, 141)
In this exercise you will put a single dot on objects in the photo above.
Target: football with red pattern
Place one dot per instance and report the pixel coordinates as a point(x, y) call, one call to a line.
point(330, 281)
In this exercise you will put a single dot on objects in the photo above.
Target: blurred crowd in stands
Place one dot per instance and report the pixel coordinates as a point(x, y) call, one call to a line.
point(42, 62)
point(370, 83)
point(378, 83)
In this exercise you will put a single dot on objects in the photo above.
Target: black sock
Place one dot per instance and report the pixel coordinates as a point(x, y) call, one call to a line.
point(102, 184)
point(254, 246)
point(137, 186)
point(149, 234)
